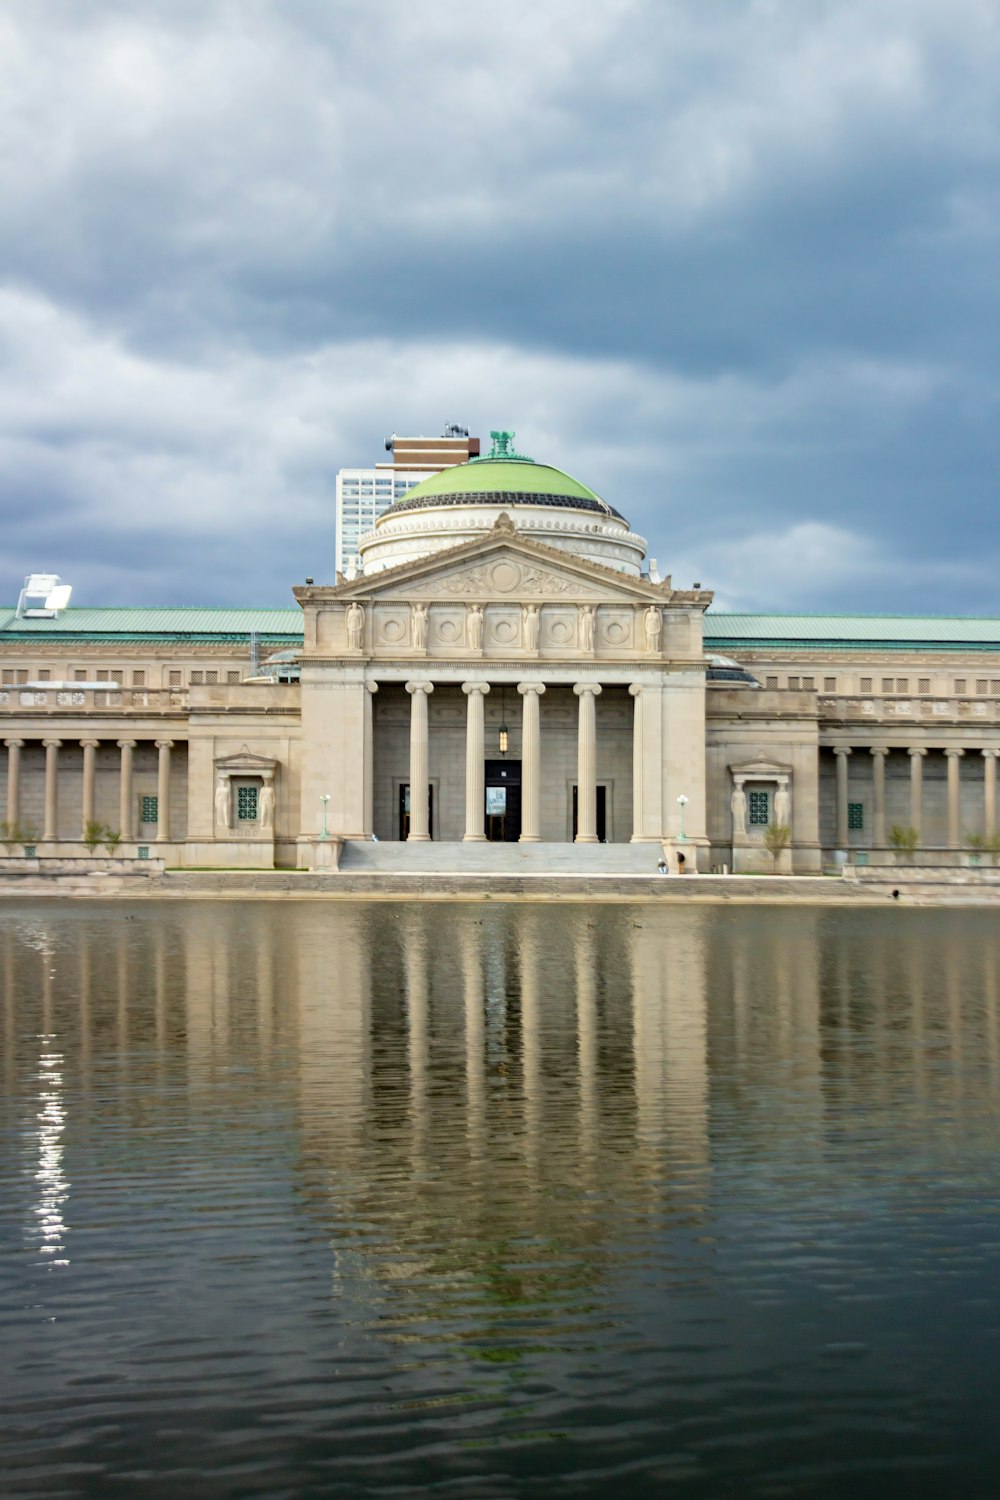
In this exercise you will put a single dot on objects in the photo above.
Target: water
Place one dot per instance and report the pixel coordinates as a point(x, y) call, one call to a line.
point(483, 1201)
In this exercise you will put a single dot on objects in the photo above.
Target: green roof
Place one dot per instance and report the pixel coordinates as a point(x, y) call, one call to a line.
point(889, 632)
point(158, 624)
point(520, 476)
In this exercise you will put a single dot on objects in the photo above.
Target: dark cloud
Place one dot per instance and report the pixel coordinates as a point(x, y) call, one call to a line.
point(733, 263)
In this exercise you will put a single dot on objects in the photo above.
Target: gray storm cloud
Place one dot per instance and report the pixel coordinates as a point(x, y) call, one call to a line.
point(732, 263)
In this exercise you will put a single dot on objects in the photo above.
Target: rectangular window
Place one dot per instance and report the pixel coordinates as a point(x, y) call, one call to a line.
point(7, 675)
point(994, 686)
point(855, 815)
point(959, 684)
point(866, 684)
point(771, 682)
point(197, 678)
point(139, 677)
point(923, 684)
point(173, 679)
point(149, 809)
point(760, 808)
point(980, 685)
point(211, 678)
point(793, 683)
point(21, 674)
point(902, 684)
point(887, 684)
point(233, 676)
point(44, 675)
point(246, 804)
point(809, 683)
point(829, 684)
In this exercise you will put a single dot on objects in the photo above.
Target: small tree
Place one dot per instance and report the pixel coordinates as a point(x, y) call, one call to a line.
point(992, 844)
point(904, 840)
point(111, 838)
point(93, 832)
point(15, 835)
point(777, 837)
point(976, 843)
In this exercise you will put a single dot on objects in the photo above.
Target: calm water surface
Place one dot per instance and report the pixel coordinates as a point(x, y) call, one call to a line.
point(486, 1201)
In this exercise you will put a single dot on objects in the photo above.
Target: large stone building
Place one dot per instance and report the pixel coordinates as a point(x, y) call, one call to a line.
point(505, 668)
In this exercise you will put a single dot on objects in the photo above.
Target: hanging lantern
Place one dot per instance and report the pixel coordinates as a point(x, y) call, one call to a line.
point(503, 739)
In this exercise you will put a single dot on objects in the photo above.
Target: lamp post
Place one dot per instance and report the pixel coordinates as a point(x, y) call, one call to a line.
point(682, 803)
point(325, 799)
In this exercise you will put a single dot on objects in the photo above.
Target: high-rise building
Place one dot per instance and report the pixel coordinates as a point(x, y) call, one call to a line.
point(363, 494)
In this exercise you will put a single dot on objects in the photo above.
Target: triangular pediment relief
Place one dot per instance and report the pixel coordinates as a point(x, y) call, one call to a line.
point(760, 769)
point(244, 763)
point(500, 566)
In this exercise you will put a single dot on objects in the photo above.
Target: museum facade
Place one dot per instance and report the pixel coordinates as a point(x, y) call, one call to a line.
point(504, 668)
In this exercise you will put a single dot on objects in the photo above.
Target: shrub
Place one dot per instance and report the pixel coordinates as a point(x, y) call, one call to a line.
point(111, 838)
point(777, 837)
point(904, 840)
point(93, 832)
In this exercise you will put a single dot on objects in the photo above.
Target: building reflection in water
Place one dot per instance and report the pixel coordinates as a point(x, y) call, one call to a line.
point(481, 1101)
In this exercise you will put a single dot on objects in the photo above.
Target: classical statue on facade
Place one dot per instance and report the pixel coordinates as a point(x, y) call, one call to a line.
point(652, 624)
point(222, 801)
point(418, 627)
point(474, 627)
point(783, 804)
point(265, 805)
point(355, 626)
point(530, 621)
point(738, 805)
point(587, 627)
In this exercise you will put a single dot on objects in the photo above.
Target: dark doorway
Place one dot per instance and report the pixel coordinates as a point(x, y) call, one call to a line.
point(404, 810)
point(503, 801)
point(602, 825)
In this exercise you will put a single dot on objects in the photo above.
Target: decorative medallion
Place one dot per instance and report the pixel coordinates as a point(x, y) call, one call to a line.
point(505, 630)
point(615, 632)
point(392, 630)
point(505, 577)
point(559, 630)
point(448, 630)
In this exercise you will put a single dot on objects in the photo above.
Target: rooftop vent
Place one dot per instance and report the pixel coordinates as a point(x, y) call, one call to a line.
point(43, 597)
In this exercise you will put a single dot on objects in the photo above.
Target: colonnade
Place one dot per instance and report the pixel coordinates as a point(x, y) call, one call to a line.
point(917, 754)
point(475, 761)
point(126, 799)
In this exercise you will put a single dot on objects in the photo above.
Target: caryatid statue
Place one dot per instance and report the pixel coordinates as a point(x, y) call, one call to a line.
point(265, 805)
point(783, 804)
point(652, 624)
point(474, 627)
point(738, 805)
point(222, 800)
point(355, 626)
point(587, 627)
point(529, 621)
point(418, 627)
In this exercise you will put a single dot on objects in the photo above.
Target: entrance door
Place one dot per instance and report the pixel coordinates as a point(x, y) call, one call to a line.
point(602, 823)
point(404, 810)
point(503, 801)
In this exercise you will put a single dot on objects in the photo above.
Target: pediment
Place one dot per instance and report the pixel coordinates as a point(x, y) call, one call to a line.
point(244, 763)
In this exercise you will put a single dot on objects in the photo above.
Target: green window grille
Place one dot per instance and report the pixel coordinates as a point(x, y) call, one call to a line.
point(855, 815)
point(143, 851)
point(149, 810)
point(246, 804)
point(760, 809)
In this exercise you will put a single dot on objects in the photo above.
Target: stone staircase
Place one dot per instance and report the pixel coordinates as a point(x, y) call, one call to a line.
point(434, 858)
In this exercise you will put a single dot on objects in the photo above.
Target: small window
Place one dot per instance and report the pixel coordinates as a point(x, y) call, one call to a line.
point(44, 675)
point(981, 685)
point(902, 684)
point(197, 678)
point(7, 675)
point(21, 674)
point(793, 683)
point(211, 677)
point(923, 684)
point(829, 684)
point(79, 674)
point(173, 679)
point(855, 815)
point(809, 683)
point(139, 678)
point(233, 676)
point(866, 684)
point(994, 686)
point(760, 808)
point(887, 684)
point(771, 682)
point(149, 809)
point(246, 804)
point(959, 684)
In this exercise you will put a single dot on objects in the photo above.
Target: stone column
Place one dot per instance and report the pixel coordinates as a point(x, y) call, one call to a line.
point(531, 761)
point(125, 827)
point(14, 748)
point(371, 688)
point(419, 783)
point(638, 762)
point(163, 792)
point(586, 763)
point(954, 758)
point(917, 788)
point(841, 752)
point(87, 813)
point(475, 764)
point(989, 792)
point(51, 829)
point(879, 754)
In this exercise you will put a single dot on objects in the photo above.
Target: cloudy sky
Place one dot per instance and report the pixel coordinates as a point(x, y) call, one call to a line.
point(732, 262)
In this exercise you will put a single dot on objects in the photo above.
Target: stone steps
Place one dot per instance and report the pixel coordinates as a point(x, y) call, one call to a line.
point(498, 859)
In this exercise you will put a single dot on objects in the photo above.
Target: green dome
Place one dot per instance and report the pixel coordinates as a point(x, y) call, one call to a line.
point(501, 481)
